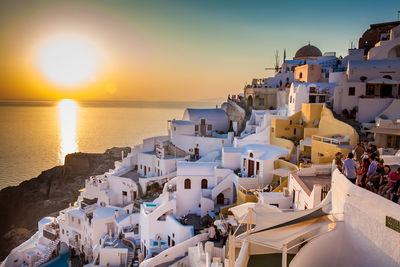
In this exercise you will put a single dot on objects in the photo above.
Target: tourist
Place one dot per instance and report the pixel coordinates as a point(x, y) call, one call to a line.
point(211, 232)
point(359, 153)
point(338, 161)
point(384, 178)
point(373, 182)
point(362, 174)
point(396, 192)
point(350, 168)
point(393, 177)
point(372, 167)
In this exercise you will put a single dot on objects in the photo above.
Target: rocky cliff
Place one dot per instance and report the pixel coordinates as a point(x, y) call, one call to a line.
point(22, 206)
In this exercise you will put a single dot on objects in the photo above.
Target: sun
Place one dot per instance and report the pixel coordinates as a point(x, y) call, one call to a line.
point(68, 61)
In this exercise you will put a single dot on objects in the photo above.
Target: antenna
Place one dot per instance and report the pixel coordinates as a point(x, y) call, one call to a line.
point(276, 67)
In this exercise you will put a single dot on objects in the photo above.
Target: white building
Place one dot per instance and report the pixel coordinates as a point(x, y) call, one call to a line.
point(308, 93)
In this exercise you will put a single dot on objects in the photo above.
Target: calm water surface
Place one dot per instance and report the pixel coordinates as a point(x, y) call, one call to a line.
point(35, 136)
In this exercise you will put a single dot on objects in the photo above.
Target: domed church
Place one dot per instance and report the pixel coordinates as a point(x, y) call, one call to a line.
point(308, 52)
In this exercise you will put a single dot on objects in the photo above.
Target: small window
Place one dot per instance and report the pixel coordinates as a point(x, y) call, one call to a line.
point(62, 231)
point(124, 193)
point(204, 184)
point(370, 90)
point(251, 155)
point(196, 128)
point(294, 131)
point(290, 122)
point(301, 75)
point(290, 101)
point(244, 164)
point(311, 99)
point(352, 91)
point(322, 99)
point(312, 90)
point(272, 129)
point(187, 184)
point(209, 127)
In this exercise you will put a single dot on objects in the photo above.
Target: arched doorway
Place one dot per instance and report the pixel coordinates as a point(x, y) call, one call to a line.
point(220, 199)
point(204, 184)
point(250, 102)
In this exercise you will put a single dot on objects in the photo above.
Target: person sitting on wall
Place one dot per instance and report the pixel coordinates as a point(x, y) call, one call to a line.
point(373, 183)
point(372, 167)
point(384, 178)
point(393, 177)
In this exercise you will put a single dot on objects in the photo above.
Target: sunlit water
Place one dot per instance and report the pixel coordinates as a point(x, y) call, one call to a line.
point(35, 136)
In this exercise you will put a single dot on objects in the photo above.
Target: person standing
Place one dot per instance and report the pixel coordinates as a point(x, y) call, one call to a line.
point(350, 168)
point(359, 153)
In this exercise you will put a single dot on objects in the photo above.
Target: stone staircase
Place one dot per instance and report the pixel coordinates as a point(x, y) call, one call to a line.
point(48, 252)
point(131, 257)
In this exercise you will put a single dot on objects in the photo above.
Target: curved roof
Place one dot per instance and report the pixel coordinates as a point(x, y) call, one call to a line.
point(308, 51)
point(213, 114)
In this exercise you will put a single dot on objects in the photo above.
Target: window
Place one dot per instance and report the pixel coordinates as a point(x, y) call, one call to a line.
point(290, 101)
point(209, 127)
point(196, 128)
point(290, 122)
point(322, 99)
point(251, 155)
point(187, 184)
point(312, 90)
point(387, 77)
point(352, 91)
point(204, 184)
point(244, 164)
point(272, 129)
point(301, 75)
point(124, 193)
point(294, 131)
point(370, 89)
point(62, 231)
point(311, 99)
point(203, 121)
point(141, 167)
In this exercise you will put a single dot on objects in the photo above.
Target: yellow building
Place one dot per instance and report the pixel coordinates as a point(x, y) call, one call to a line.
point(318, 134)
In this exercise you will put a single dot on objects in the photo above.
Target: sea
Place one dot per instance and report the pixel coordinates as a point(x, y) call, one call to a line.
point(36, 135)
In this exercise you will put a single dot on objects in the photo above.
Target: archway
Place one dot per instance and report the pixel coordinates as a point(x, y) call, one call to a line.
point(250, 101)
point(394, 52)
point(220, 199)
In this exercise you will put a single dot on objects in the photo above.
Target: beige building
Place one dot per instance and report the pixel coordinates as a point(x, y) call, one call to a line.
point(319, 135)
point(309, 73)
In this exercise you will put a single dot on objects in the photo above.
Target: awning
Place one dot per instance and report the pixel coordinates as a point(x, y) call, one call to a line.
point(292, 234)
point(388, 131)
point(383, 81)
point(266, 221)
point(241, 211)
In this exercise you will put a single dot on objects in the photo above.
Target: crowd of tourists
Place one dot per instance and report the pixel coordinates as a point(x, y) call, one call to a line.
point(365, 168)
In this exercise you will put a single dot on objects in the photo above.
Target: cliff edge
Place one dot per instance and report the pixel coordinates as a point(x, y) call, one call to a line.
point(22, 206)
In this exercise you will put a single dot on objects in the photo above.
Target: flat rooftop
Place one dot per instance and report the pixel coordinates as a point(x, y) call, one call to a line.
point(308, 182)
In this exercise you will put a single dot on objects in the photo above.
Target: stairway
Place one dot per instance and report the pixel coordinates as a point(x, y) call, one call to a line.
point(131, 257)
point(48, 252)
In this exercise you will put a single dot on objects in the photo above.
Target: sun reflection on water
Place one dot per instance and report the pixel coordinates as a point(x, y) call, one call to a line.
point(68, 110)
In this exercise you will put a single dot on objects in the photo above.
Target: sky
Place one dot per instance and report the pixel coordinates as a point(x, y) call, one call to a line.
point(170, 50)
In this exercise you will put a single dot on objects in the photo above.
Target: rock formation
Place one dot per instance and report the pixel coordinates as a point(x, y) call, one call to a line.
point(22, 206)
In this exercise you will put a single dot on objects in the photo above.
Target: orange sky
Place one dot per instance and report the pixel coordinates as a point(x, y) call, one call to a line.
point(165, 50)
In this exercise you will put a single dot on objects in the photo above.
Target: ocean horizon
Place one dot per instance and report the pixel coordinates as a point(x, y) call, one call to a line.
point(37, 134)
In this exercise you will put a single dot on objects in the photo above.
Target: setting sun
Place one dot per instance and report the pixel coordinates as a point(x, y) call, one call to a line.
point(67, 61)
